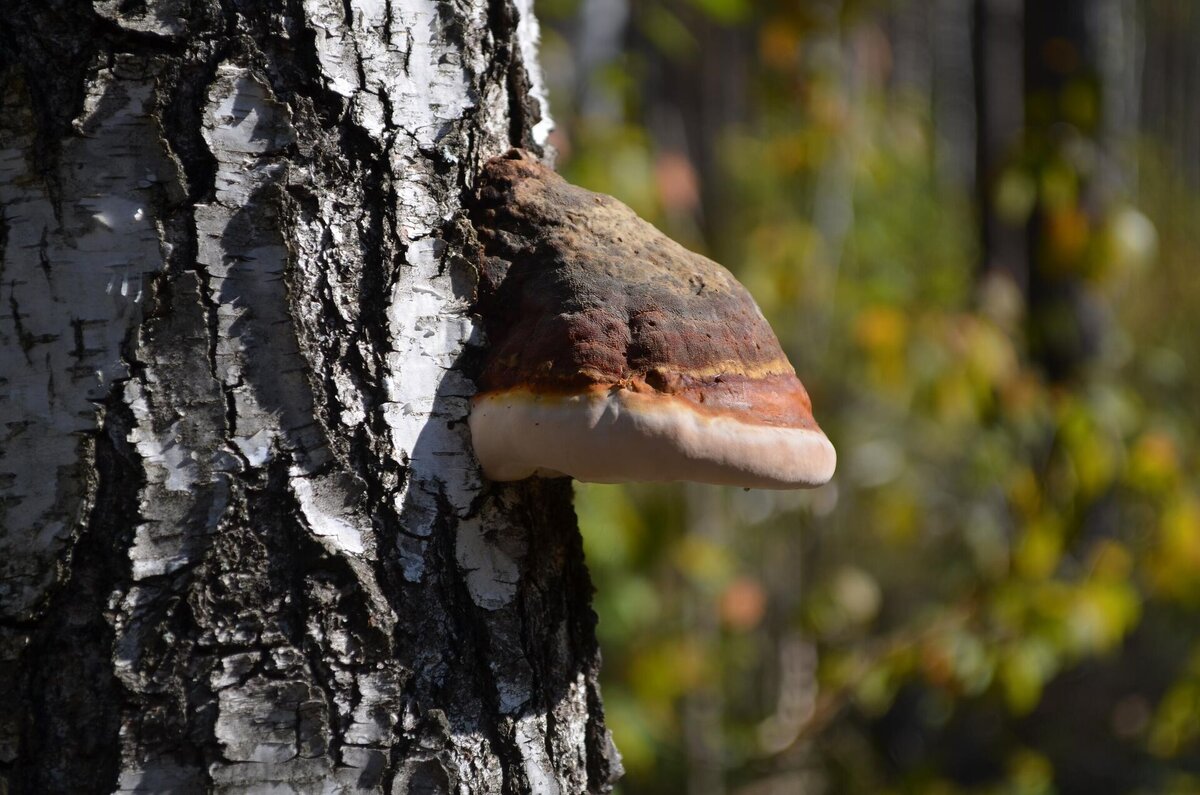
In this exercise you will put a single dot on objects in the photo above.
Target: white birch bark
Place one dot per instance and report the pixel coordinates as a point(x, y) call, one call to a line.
point(244, 543)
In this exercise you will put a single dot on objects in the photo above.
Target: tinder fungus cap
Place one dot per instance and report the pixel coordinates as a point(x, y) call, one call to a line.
point(618, 355)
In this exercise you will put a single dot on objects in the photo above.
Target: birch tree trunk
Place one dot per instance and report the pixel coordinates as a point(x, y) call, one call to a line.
point(244, 544)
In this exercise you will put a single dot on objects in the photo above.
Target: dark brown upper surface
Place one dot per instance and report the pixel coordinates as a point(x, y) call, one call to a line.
point(579, 293)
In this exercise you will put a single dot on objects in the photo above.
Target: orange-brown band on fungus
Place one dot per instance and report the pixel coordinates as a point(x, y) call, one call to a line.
point(777, 399)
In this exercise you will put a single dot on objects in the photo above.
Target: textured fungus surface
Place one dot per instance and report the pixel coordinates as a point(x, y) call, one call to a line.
point(598, 320)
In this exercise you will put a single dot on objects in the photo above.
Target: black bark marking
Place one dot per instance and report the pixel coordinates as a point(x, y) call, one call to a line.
point(67, 682)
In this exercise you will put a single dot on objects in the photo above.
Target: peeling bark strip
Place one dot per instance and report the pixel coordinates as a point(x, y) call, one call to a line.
point(244, 543)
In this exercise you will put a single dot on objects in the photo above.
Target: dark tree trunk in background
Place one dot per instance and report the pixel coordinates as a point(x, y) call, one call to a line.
point(1042, 125)
point(1061, 54)
point(244, 544)
point(999, 117)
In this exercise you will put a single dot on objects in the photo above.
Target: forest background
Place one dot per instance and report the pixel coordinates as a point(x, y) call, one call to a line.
point(973, 225)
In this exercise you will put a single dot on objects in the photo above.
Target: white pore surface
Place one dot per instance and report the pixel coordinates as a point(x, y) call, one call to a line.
point(624, 436)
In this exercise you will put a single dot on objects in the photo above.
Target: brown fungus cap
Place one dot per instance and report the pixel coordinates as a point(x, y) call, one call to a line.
point(618, 355)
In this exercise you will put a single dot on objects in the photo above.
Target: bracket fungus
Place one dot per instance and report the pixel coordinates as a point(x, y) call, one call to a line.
point(618, 355)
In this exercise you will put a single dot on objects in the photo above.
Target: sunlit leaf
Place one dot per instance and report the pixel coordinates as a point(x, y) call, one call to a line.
point(1025, 668)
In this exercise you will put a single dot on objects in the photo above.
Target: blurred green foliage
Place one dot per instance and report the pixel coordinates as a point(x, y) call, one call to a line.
point(1000, 591)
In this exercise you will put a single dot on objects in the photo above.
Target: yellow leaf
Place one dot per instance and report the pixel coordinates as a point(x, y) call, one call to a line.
point(1038, 553)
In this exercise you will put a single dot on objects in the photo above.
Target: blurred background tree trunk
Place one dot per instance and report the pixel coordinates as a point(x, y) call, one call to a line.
point(999, 118)
point(244, 544)
point(1054, 92)
point(1063, 149)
